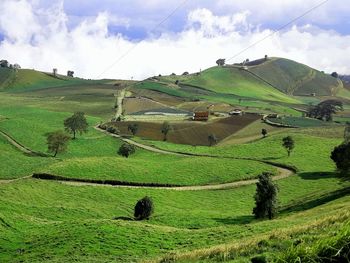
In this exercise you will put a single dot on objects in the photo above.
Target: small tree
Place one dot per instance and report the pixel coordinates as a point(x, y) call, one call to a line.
point(76, 123)
point(335, 75)
point(341, 157)
point(221, 62)
point(264, 132)
point(165, 130)
point(57, 142)
point(212, 139)
point(288, 143)
point(126, 150)
point(133, 128)
point(265, 197)
point(144, 208)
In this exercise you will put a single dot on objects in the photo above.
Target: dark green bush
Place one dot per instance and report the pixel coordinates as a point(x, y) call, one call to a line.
point(144, 208)
point(126, 150)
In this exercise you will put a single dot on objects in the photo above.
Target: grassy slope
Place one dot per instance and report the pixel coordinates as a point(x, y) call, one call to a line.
point(93, 156)
point(78, 221)
point(291, 77)
point(308, 150)
point(233, 80)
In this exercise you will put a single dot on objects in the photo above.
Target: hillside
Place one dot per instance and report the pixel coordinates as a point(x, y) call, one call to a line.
point(28, 80)
point(274, 79)
point(294, 78)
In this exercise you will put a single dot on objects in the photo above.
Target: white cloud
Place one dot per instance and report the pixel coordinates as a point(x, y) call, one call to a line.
point(42, 40)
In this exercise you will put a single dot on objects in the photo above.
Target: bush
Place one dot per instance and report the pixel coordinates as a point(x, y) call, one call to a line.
point(126, 150)
point(144, 208)
point(341, 156)
point(259, 259)
point(113, 130)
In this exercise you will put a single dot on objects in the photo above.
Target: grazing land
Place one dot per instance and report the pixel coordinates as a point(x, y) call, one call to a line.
point(81, 210)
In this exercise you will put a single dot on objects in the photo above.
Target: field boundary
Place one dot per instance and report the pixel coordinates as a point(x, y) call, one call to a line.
point(21, 147)
point(283, 173)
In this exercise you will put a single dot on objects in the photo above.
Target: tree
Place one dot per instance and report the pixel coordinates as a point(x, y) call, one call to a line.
point(133, 128)
point(144, 208)
point(264, 132)
point(265, 197)
point(185, 73)
point(212, 139)
point(325, 110)
point(76, 123)
point(70, 73)
point(341, 157)
point(335, 75)
point(4, 63)
point(288, 143)
point(126, 150)
point(165, 130)
point(57, 142)
point(221, 62)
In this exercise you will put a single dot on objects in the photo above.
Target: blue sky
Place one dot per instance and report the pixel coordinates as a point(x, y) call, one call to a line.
point(89, 36)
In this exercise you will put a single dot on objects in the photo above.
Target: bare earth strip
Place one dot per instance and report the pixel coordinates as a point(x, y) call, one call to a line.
point(283, 173)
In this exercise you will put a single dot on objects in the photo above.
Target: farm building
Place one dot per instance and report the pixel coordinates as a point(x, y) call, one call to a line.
point(236, 112)
point(200, 116)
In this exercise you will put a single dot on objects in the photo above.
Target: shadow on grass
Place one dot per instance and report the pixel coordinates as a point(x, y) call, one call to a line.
point(123, 218)
point(317, 201)
point(239, 220)
point(317, 175)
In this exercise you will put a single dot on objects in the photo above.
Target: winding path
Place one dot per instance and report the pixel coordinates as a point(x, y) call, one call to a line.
point(282, 172)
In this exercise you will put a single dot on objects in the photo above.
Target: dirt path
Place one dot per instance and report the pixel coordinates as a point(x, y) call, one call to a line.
point(283, 173)
point(21, 147)
point(14, 180)
point(120, 99)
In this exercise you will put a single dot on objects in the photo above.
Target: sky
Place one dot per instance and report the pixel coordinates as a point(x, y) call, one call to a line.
point(136, 39)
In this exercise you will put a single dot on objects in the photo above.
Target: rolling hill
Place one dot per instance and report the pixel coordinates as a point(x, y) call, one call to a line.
point(274, 79)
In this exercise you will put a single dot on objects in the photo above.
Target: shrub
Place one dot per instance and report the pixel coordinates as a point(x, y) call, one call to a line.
point(144, 208)
point(341, 157)
point(112, 129)
point(265, 197)
point(259, 259)
point(126, 150)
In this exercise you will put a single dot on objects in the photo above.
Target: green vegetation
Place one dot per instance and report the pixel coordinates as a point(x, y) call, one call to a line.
point(57, 142)
point(55, 221)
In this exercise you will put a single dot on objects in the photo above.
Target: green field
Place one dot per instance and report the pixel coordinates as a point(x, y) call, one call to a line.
point(57, 221)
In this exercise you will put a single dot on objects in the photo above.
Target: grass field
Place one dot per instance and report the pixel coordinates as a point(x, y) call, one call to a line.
point(52, 221)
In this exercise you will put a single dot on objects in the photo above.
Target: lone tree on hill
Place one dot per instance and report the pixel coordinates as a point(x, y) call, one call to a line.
point(335, 75)
point(264, 132)
point(133, 128)
point(126, 150)
point(221, 62)
point(341, 157)
point(165, 130)
point(144, 208)
point(57, 142)
point(288, 143)
point(76, 123)
point(325, 110)
point(212, 139)
point(265, 197)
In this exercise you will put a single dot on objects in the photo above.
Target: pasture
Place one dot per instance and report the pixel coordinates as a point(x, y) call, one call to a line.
point(55, 221)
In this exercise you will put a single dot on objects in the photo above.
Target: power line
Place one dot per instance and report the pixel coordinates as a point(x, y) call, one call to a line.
point(279, 29)
point(134, 46)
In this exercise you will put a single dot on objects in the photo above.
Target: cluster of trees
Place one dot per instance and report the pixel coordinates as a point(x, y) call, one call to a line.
point(5, 64)
point(325, 110)
point(57, 141)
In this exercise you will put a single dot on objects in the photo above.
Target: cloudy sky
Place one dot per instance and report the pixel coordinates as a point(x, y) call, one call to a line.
point(142, 38)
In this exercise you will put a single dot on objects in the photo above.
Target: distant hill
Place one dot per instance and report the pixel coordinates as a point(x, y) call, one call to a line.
point(274, 79)
point(27, 79)
point(295, 78)
point(346, 81)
